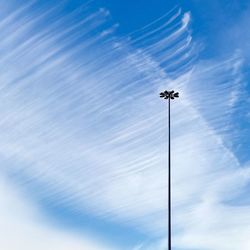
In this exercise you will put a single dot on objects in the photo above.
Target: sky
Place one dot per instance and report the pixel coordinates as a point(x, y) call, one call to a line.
point(83, 132)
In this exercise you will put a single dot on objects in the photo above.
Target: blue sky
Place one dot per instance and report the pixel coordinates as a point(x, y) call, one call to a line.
point(83, 137)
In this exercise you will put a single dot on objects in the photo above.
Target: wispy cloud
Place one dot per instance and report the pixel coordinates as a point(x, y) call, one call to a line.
point(22, 227)
point(83, 132)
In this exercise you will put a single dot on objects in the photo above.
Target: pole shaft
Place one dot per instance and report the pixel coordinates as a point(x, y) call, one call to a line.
point(169, 180)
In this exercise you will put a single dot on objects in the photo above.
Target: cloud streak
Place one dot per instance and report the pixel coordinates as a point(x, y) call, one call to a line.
point(83, 133)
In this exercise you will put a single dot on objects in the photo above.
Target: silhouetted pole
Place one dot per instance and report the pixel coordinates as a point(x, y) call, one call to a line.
point(169, 95)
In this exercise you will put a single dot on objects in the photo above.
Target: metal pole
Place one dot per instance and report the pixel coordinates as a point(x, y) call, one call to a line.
point(169, 179)
point(169, 95)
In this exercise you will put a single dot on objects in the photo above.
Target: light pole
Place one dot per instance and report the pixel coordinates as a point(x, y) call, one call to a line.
point(170, 95)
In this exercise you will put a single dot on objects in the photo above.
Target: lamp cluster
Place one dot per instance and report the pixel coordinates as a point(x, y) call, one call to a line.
point(169, 94)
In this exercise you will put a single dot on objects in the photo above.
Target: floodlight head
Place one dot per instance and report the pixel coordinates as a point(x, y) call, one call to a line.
point(162, 95)
point(176, 94)
point(169, 94)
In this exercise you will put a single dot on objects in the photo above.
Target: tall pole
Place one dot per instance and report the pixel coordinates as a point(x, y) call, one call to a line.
point(169, 179)
point(169, 95)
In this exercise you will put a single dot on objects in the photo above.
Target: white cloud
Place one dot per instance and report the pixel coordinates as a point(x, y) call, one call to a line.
point(186, 19)
point(93, 131)
point(21, 227)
